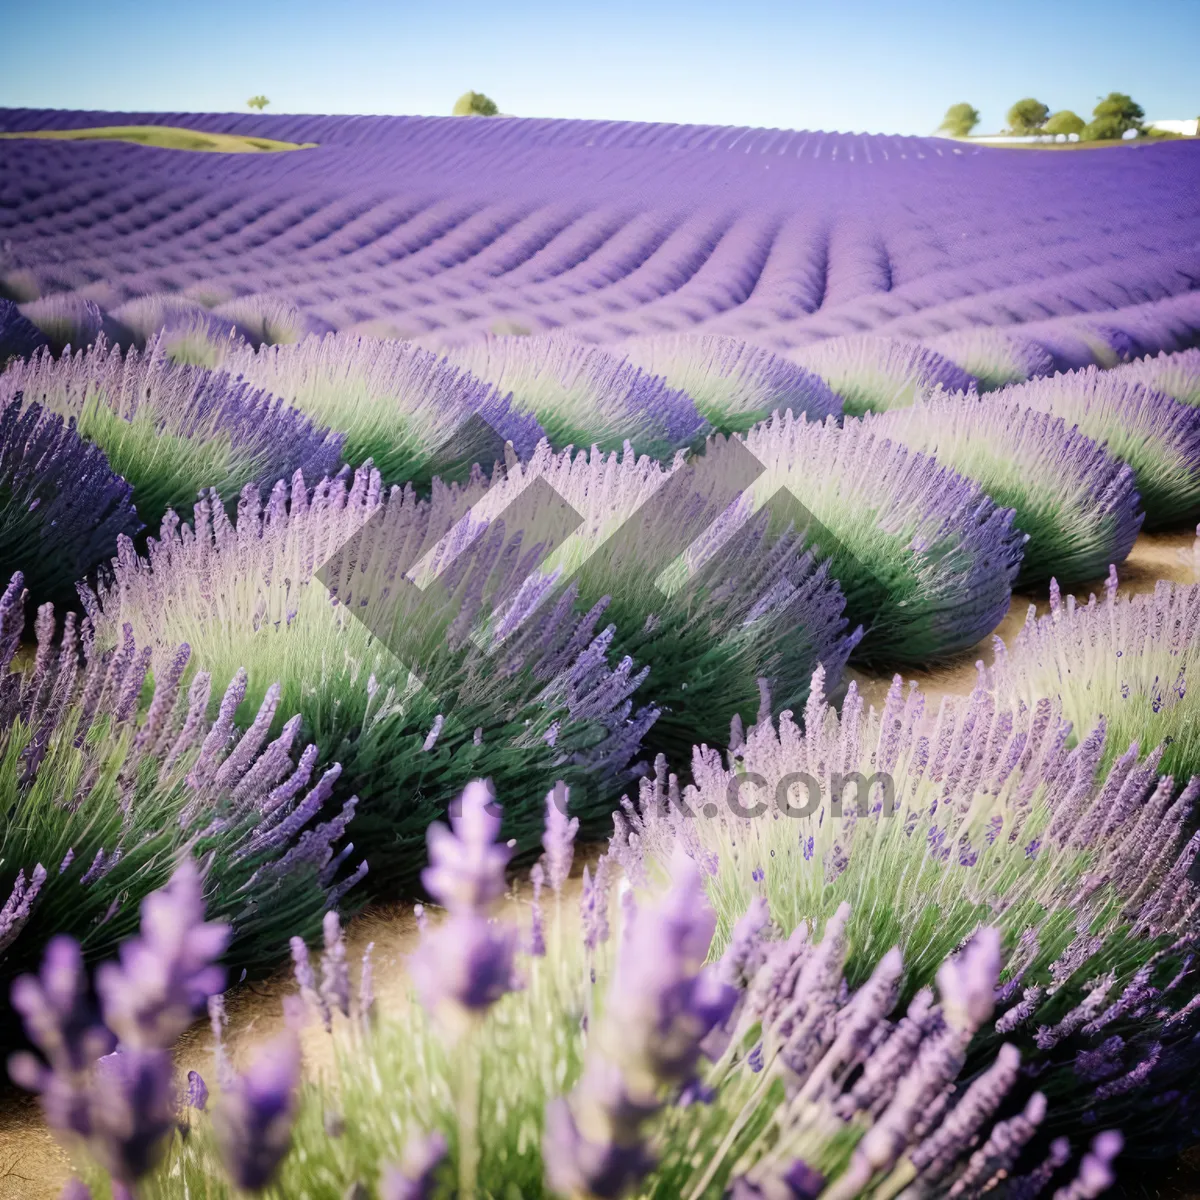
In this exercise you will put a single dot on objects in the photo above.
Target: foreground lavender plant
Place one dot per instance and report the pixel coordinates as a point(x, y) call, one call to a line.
point(120, 1105)
point(769, 1071)
point(172, 430)
point(104, 798)
point(733, 384)
point(1078, 504)
point(413, 415)
point(924, 558)
point(933, 825)
point(62, 506)
point(585, 396)
point(1132, 662)
point(871, 374)
point(414, 688)
point(1157, 435)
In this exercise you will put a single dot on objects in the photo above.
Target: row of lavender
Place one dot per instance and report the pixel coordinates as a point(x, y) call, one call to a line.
point(786, 238)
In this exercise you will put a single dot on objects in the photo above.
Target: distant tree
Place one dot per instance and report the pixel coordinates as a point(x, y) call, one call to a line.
point(1064, 121)
point(259, 102)
point(959, 120)
point(1114, 116)
point(1027, 116)
point(474, 104)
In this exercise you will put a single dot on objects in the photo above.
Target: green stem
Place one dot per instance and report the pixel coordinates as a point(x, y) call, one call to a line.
point(468, 1119)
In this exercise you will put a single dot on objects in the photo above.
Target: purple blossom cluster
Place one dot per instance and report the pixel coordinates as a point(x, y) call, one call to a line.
point(994, 358)
point(981, 798)
point(925, 559)
point(19, 336)
point(133, 786)
point(63, 505)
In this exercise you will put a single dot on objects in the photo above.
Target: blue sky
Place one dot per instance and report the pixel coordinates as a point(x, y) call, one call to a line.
point(887, 66)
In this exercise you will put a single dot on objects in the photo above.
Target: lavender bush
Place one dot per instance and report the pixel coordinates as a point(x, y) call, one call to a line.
point(631, 1062)
point(1129, 661)
point(61, 505)
point(1176, 375)
point(65, 320)
point(925, 559)
point(411, 691)
point(1078, 504)
point(103, 798)
point(19, 337)
point(185, 331)
point(978, 815)
point(173, 430)
point(270, 320)
point(1157, 435)
point(585, 396)
point(994, 358)
point(715, 621)
point(413, 415)
point(871, 374)
point(734, 384)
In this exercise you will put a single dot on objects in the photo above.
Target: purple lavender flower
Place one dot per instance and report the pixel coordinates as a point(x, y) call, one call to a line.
point(1157, 435)
point(466, 871)
point(195, 412)
point(537, 931)
point(461, 968)
point(558, 840)
point(167, 974)
point(413, 1178)
point(1095, 1175)
point(253, 1122)
point(75, 1189)
point(335, 974)
point(955, 549)
point(1077, 502)
point(197, 1091)
point(662, 1004)
point(413, 414)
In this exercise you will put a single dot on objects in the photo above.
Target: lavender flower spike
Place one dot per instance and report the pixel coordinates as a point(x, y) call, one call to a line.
point(466, 871)
point(558, 840)
point(464, 965)
point(167, 974)
point(253, 1122)
point(662, 1004)
point(1095, 1171)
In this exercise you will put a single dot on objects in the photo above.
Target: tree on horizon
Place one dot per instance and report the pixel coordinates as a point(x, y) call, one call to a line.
point(474, 104)
point(1027, 116)
point(259, 102)
point(959, 120)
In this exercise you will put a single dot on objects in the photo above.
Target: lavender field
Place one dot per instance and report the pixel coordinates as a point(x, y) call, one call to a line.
point(798, 529)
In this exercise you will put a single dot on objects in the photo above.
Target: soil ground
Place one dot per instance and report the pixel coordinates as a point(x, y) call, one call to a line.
point(33, 1167)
